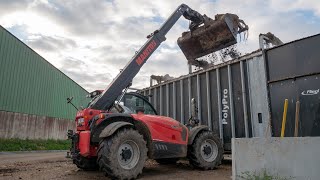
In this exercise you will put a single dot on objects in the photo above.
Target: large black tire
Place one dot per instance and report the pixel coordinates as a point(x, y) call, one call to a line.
point(86, 164)
point(167, 161)
point(206, 151)
point(122, 156)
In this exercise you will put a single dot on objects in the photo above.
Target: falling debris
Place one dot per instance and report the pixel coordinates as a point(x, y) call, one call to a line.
point(199, 63)
point(215, 58)
point(231, 52)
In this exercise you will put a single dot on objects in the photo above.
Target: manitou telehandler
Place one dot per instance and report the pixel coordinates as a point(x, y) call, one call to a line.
point(119, 131)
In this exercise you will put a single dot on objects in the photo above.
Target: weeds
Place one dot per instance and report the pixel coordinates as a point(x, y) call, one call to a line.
point(29, 145)
point(261, 176)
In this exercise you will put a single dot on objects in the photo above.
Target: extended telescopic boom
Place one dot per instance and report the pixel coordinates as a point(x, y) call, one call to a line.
point(124, 78)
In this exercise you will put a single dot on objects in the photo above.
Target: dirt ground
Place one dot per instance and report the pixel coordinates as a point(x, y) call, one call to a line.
point(56, 166)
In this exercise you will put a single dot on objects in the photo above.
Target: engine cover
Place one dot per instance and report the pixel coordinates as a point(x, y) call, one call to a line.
point(169, 137)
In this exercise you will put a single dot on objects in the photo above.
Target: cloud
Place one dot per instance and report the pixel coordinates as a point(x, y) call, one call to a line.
point(289, 5)
point(74, 68)
point(92, 40)
point(48, 43)
point(9, 6)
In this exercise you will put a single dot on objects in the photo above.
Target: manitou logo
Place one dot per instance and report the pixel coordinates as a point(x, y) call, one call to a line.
point(143, 56)
point(79, 113)
point(225, 107)
point(310, 92)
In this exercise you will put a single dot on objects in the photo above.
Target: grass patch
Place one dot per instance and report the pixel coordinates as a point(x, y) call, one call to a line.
point(31, 145)
point(264, 175)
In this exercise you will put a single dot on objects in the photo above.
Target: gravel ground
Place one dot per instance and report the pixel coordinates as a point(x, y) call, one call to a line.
point(54, 165)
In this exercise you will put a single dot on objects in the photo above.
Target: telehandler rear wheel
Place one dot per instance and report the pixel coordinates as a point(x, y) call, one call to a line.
point(122, 156)
point(206, 151)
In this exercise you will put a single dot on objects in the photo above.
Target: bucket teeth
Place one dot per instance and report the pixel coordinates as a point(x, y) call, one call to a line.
point(212, 36)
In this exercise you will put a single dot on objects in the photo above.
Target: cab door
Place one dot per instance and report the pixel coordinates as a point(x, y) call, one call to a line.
point(169, 137)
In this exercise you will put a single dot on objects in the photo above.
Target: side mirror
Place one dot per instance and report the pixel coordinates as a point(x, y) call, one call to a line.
point(69, 99)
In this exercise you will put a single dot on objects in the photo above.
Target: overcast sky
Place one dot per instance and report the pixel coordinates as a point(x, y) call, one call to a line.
point(90, 40)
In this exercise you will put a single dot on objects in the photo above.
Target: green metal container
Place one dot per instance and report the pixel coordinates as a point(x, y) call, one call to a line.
point(30, 84)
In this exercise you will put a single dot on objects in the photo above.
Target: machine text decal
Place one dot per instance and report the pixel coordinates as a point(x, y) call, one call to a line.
point(310, 92)
point(149, 49)
point(225, 107)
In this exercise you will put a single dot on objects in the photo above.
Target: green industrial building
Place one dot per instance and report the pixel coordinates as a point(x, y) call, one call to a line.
point(33, 93)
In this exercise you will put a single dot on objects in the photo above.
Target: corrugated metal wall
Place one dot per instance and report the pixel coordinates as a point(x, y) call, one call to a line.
point(31, 85)
point(294, 74)
point(232, 98)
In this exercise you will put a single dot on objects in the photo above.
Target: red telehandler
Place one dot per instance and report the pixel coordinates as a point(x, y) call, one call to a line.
point(119, 131)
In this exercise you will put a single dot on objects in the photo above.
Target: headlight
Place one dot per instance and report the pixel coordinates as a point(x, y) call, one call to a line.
point(80, 121)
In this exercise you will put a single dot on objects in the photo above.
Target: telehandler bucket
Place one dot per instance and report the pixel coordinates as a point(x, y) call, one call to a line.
point(212, 36)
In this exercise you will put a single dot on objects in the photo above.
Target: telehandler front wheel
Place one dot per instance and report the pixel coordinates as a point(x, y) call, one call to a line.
point(122, 156)
point(206, 151)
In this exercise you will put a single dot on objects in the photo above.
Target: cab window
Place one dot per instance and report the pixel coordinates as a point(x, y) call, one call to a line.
point(134, 103)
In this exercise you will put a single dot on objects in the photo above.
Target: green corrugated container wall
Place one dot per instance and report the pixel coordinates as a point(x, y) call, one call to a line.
point(29, 84)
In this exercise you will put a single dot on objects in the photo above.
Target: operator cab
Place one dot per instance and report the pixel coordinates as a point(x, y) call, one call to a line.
point(131, 103)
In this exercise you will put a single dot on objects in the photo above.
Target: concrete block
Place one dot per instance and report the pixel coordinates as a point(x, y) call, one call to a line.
point(290, 157)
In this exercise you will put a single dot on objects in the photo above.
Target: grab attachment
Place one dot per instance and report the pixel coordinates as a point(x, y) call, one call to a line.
point(212, 36)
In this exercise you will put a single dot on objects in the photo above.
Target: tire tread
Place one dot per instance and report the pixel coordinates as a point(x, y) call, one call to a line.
point(107, 150)
point(194, 155)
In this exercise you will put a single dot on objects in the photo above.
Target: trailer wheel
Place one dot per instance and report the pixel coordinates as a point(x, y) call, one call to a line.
point(122, 156)
point(86, 164)
point(167, 161)
point(206, 151)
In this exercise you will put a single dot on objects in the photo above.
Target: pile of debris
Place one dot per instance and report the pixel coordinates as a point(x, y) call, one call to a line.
point(160, 79)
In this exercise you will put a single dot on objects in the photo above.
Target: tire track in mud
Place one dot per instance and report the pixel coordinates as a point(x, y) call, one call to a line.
point(57, 167)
